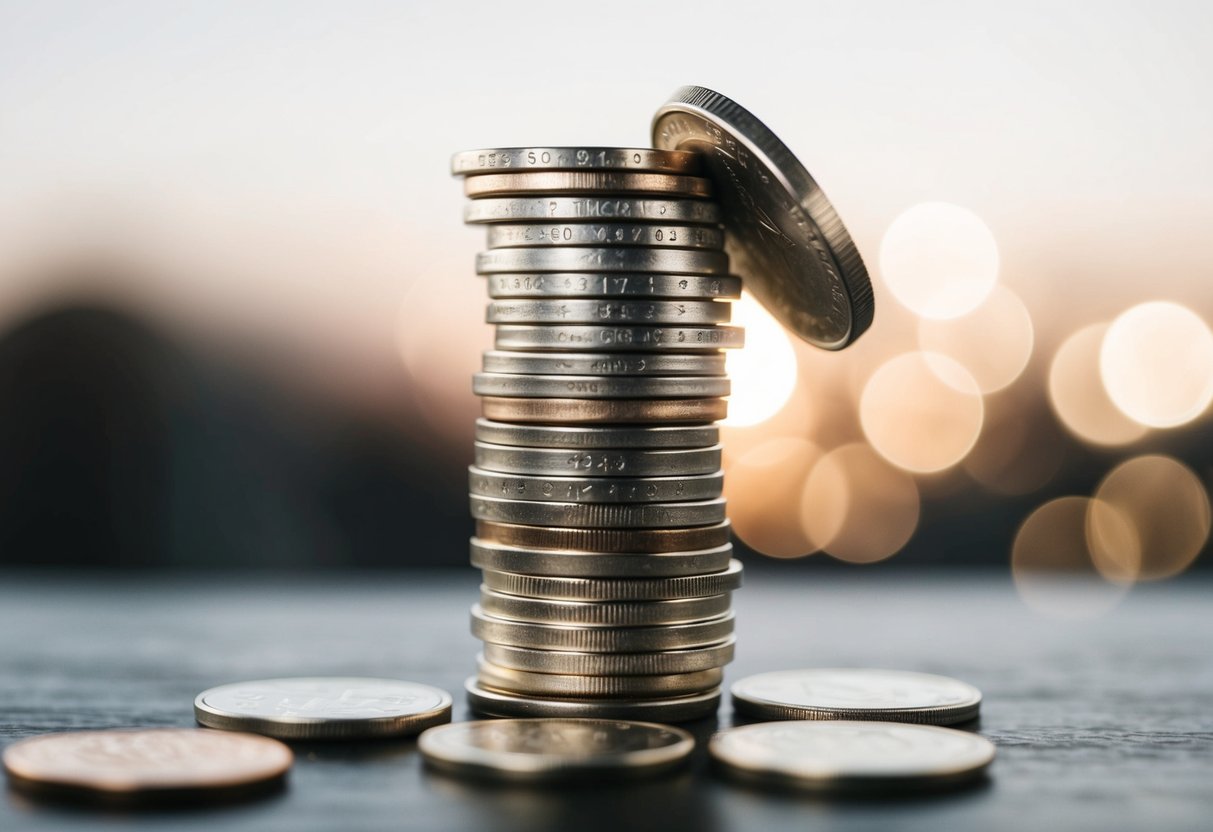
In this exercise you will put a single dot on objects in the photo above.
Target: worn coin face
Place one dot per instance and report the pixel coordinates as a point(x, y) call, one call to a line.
point(784, 237)
point(492, 702)
point(626, 286)
point(616, 589)
point(554, 749)
point(506, 159)
point(146, 763)
point(590, 209)
point(848, 755)
point(856, 693)
point(615, 183)
point(324, 707)
point(583, 438)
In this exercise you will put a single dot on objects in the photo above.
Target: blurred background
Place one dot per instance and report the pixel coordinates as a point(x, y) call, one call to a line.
point(238, 314)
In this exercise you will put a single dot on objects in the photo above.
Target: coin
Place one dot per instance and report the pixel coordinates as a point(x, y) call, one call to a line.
point(598, 515)
point(603, 411)
point(590, 209)
point(605, 541)
point(605, 364)
point(522, 183)
point(600, 639)
point(606, 337)
point(674, 709)
point(498, 159)
point(567, 563)
point(616, 589)
point(846, 756)
point(595, 489)
point(784, 237)
point(555, 749)
point(664, 235)
point(856, 693)
point(518, 385)
point(602, 259)
point(601, 462)
point(576, 285)
point(556, 684)
point(601, 613)
point(572, 311)
point(146, 764)
point(586, 438)
point(323, 708)
point(611, 664)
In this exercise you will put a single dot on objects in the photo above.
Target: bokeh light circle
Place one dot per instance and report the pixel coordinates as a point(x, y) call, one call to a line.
point(939, 260)
point(763, 373)
point(763, 491)
point(993, 342)
point(1077, 393)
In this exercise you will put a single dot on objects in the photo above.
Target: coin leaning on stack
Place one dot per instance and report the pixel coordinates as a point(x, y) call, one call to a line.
point(596, 488)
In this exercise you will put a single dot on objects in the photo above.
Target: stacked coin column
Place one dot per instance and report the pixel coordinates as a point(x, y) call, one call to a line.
point(596, 489)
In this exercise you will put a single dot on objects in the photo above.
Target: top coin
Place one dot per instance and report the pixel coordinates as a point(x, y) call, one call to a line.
point(784, 237)
point(498, 159)
point(316, 708)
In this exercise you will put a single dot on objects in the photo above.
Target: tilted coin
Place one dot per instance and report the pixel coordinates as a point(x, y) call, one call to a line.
point(601, 613)
point(606, 337)
point(604, 541)
point(846, 755)
point(588, 438)
point(604, 364)
point(510, 235)
point(572, 563)
point(590, 489)
point(616, 589)
point(573, 311)
point(583, 285)
point(522, 183)
point(557, 684)
point(784, 237)
point(673, 709)
point(603, 411)
point(598, 515)
point(600, 639)
point(857, 693)
point(590, 209)
point(602, 259)
point(555, 749)
point(601, 462)
point(146, 764)
point(499, 159)
point(324, 707)
point(611, 664)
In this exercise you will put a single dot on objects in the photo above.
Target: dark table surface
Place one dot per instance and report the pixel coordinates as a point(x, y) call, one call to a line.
point(1104, 724)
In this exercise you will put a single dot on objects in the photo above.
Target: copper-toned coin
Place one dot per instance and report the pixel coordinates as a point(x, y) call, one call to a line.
point(603, 411)
point(604, 540)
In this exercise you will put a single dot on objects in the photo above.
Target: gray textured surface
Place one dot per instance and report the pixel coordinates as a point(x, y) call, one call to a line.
point(1100, 725)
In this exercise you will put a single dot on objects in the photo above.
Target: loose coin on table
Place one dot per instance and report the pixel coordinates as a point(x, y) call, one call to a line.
point(590, 209)
point(614, 285)
point(600, 311)
point(492, 702)
point(616, 589)
point(554, 749)
point(505, 159)
point(322, 708)
point(849, 756)
point(152, 764)
point(856, 693)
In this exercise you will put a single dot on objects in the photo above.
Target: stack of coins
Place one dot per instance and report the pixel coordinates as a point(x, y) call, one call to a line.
point(596, 488)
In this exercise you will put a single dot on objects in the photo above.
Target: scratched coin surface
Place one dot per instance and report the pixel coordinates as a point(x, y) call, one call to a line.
point(856, 693)
point(146, 764)
point(841, 756)
point(322, 707)
point(554, 749)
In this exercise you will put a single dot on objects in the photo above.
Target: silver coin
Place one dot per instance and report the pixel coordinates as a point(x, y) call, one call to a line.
point(857, 693)
point(842, 756)
point(611, 664)
point(650, 235)
point(566, 411)
point(784, 237)
point(599, 387)
point(629, 462)
point(608, 338)
point(575, 285)
point(321, 707)
point(587, 182)
point(598, 515)
point(554, 749)
point(627, 490)
point(673, 709)
point(589, 438)
point(600, 639)
point(616, 589)
point(602, 613)
point(573, 311)
point(605, 364)
point(631, 687)
point(600, 259)
point(504, 159)
point(581, 564)
point(590, 209)
point(604, 541)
